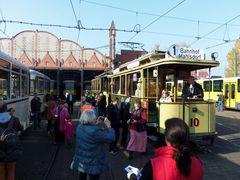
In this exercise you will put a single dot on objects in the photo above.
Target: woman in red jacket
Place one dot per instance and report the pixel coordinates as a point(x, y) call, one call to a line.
point(174, 161)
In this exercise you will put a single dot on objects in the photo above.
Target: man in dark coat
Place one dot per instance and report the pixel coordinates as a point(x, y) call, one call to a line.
point(113, 116)
point(70, 101)
point(124, 117)
point(192, 89)
point(36, 110)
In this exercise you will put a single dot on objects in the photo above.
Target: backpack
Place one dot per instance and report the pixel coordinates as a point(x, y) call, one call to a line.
point(10, 149)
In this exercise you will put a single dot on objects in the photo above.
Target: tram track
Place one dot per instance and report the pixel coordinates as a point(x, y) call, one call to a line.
point(51, 164)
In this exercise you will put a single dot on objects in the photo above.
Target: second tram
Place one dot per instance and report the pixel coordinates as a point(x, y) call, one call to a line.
point(144, 78)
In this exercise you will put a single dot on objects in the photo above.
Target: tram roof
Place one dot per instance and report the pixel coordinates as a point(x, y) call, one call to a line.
point(105, 74)
point(160, 58)
point(34, 73)
point(12, 60)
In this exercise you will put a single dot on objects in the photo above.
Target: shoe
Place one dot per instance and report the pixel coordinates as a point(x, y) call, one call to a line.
point(130, 156)
point(113, 152)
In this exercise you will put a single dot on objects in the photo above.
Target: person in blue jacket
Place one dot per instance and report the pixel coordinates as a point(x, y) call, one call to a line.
point(90, 154)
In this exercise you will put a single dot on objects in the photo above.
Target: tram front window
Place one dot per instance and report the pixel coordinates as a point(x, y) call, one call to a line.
point(4, 90)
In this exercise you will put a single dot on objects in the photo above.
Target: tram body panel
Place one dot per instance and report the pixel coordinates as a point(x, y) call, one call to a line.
point(199, 116)
point(21, 107)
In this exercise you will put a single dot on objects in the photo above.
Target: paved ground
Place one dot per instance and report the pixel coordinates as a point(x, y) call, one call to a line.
point(220, 161)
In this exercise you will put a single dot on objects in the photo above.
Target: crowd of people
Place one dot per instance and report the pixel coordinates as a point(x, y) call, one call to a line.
point(116, 125)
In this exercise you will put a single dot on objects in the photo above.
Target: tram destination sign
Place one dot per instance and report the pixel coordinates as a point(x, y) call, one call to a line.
point(186, 53)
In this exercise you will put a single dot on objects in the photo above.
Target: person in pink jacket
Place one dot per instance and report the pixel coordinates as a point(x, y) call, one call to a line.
point(61, 114)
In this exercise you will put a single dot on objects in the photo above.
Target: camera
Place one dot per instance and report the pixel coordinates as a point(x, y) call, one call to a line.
point(102, 118)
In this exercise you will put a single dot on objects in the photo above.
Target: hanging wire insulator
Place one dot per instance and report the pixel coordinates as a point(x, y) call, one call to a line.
point(137, 28)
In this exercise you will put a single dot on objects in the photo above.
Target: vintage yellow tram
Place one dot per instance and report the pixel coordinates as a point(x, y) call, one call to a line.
point(144, 78)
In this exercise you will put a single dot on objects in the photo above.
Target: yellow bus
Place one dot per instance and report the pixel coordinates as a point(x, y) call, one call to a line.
point(145, 77)
point(229, 87)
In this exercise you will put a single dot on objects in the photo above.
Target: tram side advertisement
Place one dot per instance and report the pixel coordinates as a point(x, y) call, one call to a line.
point(185, 53)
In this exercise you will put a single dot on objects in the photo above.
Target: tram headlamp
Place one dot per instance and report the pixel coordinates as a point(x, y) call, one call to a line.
point(214, 55)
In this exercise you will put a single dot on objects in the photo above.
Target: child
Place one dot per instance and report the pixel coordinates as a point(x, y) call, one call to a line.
point(69, 131)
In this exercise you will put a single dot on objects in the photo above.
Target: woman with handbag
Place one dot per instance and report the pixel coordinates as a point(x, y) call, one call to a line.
point(61, 114)
point(138, 133)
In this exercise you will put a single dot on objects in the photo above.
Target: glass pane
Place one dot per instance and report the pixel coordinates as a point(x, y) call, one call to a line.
point(226, 91)
point(105, 84)
point(233, 91)
point(136, 86)
point(129, 85)
point(122, 84)
point(15, 68)
point(207, 86)
point(4, 89)
point(116, 85)
point(152, 87)
point(32, 87)
point(41, 86)
point(24, 86)
point(217, 85)
point(4, 64)
point(15, 86)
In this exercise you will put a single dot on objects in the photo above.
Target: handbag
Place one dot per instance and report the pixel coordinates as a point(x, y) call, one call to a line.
point(140, 127)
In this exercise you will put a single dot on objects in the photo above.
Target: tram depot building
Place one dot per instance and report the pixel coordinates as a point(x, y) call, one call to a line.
point(69, 66)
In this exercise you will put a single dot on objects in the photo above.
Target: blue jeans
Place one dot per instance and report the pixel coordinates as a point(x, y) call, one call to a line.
point(220, 106)
point(37, 119)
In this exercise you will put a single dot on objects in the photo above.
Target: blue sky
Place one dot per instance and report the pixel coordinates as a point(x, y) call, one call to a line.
point(181, 25)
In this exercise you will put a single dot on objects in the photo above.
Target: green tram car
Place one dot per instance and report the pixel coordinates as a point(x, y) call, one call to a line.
point(144, 78)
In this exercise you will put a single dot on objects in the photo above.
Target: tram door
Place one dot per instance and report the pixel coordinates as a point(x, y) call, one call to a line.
point(230, 95)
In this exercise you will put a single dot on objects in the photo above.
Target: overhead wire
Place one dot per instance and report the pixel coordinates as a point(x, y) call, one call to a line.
point(74, 12)
point(218, 27)
point(155, 20)
point(153, 14)
point(62, 26)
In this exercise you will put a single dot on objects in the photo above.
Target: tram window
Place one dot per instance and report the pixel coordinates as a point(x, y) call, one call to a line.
point(238, 85)
point(15, 68)
point(207, 86)
point(4, 64)
point(226, 91)
point(99, 84)
point(15, 91)
point(150, 89)
point(133, 87)
point(47, 86)
point(40, 86)
point(32, 86)
point(4, 89)
point(233, 91)
point(24, 86)
point(180, 87)
point(116, 86)
point(123, 84)
point(169, 86)
point(105, 84)
point(150, 83)
point(217, 85)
